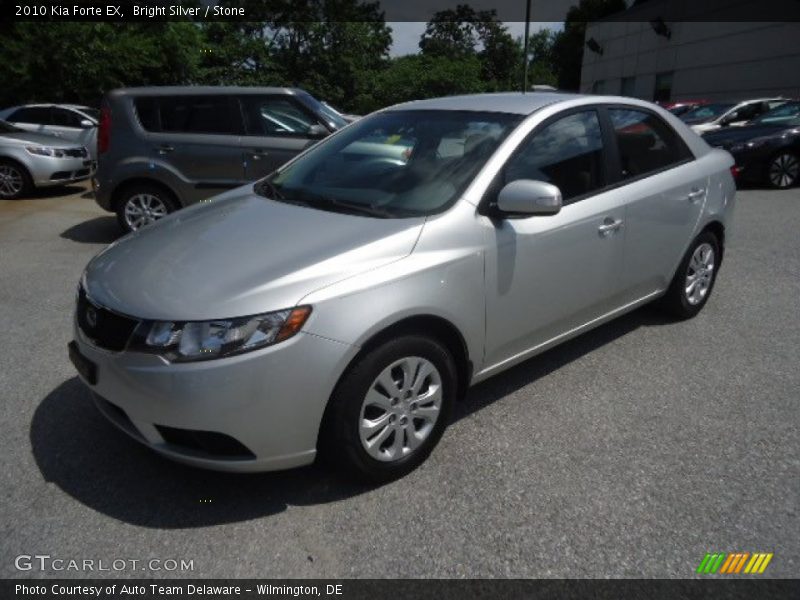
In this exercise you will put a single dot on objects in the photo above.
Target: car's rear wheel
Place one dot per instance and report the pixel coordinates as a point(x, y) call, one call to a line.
point(142, 204)
point(390, 408)
point(692, 284)
point(15, 181)
point(783, 170)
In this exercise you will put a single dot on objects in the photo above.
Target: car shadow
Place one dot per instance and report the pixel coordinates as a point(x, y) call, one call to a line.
point(58, 191)
point(100, 230)
point(88, 458)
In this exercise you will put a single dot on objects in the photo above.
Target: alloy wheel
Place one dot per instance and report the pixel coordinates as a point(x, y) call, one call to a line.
point(400, 409)
point(143, 209)
point(783, 170)
point(11, 181)
point(700, 273)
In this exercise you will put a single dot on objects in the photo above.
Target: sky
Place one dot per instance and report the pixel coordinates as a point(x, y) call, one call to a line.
point(406, 34)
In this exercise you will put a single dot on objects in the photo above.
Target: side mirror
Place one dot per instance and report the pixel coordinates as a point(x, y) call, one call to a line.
point(529, 197)
point(87, 124)
point(730, 118)
point(317, 131)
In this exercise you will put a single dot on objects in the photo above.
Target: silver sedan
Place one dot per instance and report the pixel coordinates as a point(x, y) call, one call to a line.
point(33, 160)
point(342, 305)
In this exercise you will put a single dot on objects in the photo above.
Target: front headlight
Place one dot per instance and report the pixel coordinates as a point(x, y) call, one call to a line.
point(202, 340)
point(45, 151)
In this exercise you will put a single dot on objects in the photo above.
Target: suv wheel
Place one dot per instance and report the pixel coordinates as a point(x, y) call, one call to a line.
point(694, 280)
point(14, 180)
point(391, 408)
point(143, 204)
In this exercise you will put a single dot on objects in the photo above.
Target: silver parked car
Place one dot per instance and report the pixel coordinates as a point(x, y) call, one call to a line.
point(341, 305)
point(715, 116)
point(29, 160)
point(73, 122)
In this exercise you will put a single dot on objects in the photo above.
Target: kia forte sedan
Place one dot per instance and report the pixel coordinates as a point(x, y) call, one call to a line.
point(340, 306)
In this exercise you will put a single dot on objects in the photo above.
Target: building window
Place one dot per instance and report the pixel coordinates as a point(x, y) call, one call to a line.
point(628, 86)
point(663, 89)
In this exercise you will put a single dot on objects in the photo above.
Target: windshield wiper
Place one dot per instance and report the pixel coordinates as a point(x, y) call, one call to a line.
point(327, 202)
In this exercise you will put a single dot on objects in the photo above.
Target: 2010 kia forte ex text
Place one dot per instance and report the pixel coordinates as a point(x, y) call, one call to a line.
point(340, 306)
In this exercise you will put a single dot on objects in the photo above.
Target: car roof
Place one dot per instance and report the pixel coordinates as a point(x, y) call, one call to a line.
point(516, 102)
point(212, 90)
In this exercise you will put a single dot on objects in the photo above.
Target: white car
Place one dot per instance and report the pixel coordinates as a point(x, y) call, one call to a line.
point(710, 117)
point(71, 122)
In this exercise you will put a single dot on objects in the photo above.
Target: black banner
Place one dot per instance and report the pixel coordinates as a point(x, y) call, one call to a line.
point(393, 10)
point(413, 589)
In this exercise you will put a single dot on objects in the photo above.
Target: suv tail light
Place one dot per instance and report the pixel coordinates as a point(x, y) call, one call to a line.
point(104, 130)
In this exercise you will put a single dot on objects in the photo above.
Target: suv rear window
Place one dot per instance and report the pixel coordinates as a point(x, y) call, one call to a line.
point(189, 114)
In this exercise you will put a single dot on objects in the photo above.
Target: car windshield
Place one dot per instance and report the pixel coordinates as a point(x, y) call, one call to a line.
point(8, 128)
point(393, 164)
point(707, 112)
point(785, 115)
point(681, 109)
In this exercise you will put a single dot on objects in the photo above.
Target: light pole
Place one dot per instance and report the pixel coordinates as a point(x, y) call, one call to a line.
point(525, 51)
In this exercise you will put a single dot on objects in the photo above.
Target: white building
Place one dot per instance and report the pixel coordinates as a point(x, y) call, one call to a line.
point(651, 57)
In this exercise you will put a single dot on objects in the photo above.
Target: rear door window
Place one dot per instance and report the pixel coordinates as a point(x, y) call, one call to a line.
point(646, 143)
point(199, 114)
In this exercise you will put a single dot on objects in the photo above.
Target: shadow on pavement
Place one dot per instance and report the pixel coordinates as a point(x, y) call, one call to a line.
point(58, 191)
point(100, 230)
point(101, 467)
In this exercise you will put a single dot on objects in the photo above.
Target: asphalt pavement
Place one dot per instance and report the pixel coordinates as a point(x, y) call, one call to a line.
point(628, 452)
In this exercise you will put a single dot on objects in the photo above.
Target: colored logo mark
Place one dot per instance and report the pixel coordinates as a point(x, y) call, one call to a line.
point(734, 563)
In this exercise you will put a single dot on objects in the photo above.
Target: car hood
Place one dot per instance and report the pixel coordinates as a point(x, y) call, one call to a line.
point(22, 138)
point(735, 135)
point(240, 254)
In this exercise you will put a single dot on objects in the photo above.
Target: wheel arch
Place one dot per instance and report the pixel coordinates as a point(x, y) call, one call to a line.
point(119, 189)
point(718, 229)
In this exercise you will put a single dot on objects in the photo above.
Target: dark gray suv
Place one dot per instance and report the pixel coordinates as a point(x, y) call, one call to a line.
point(162, 148)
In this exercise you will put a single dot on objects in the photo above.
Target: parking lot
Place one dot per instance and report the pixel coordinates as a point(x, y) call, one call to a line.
point(628, 452)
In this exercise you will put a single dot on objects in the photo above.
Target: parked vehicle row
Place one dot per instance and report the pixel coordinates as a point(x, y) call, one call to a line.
point(767, 149)
point(341, 305)
point(32, 160)
point(716, 115)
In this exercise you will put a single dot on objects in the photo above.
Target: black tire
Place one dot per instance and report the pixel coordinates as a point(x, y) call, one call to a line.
point(782, 170)
point(12, 168)
point(129, 195)
point(676, 300)
point(340, 441)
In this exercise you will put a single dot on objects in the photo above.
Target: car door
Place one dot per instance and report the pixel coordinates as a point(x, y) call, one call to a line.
point(548, 275)
point(198, 138)
point(664, 192)
point(277, 128)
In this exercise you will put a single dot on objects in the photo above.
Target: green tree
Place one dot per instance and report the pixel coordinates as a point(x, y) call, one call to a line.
point(464, 32)
point(78, 62)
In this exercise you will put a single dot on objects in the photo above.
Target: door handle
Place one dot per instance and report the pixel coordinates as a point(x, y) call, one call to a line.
point(609, 226)
point(165, 149)
point(695, 194)
point(257, 153)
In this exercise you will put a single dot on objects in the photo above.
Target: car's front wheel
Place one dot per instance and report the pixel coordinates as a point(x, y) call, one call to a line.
point(14, 180)
point(783, 170)
point(692, 284)
point(143, 204)
point(390, 408)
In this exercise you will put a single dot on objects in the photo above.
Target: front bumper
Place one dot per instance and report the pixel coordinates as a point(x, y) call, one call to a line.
point(270, 401)
point(48, 171)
